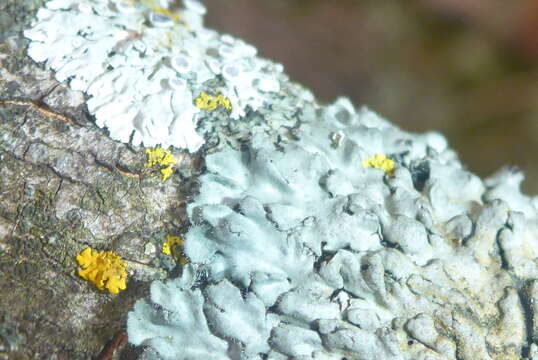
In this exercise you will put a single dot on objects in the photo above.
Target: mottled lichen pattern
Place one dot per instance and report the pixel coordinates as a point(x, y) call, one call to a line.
point(143, 66)
point(298, 251)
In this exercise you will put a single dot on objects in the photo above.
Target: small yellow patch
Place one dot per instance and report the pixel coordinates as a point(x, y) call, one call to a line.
point(174, 246)
point(209, 102)
point(224, 102)
point(167, 172)
point(105, 269)
point(380, 161)
point(163, 158)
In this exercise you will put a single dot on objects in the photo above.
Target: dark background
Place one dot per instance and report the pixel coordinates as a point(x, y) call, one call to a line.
point(464, 68)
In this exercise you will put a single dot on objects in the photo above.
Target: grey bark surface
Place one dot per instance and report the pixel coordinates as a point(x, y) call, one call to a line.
point(64, 186)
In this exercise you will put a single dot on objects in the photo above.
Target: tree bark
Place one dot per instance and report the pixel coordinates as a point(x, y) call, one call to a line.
point(64, 186)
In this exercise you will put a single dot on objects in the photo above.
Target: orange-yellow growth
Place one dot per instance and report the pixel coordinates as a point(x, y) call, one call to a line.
point(105, 269)
point(167, 172)
point(161, 157)
point(174, 246)
point(380, 161)
point(210, 102)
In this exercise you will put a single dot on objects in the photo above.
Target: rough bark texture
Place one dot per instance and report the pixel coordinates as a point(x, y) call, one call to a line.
point(64, 186)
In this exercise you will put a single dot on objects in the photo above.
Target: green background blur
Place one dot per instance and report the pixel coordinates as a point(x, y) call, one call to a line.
point(465, 68)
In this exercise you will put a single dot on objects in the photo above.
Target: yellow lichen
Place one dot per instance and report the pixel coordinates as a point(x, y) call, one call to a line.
point(174, 246)
point(380, 161)
point(105, 269)
point(163, 158)
point(209, 102)
point(206, 102)
point(224, 102)
point(167, 172)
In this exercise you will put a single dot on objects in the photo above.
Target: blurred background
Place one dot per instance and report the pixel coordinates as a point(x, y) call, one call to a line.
point(466, 68)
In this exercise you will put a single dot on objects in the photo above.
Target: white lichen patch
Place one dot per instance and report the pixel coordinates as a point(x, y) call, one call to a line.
point(334, 260)
point(143, 64)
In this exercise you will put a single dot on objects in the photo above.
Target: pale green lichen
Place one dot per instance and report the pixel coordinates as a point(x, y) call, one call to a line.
point(297, 252)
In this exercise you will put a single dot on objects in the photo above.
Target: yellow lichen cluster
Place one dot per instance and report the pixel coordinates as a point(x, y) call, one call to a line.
point(209, 102)
point(380, 161)
point(105, 269)
point(161, 157)
point(174, 246)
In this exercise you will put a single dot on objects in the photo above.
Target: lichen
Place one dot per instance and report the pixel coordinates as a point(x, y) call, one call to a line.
point(209, 102)
point(141, 65)
point(162, 158)
point(104, 269)
point(174, 246)
point(296, 250)
point(348, 262)
point(380, 161)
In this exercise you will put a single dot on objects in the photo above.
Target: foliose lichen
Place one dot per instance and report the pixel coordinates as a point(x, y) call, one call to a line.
point(299, 252)
point(143, 65)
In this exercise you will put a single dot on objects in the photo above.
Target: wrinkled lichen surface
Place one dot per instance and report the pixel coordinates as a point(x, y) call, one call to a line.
point(305, 253)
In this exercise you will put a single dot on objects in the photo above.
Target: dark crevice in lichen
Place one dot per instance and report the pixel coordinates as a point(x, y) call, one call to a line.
point(420, 173)
point(325, 258)
point(466, 239)
point(505, 264)
point(528, 315)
